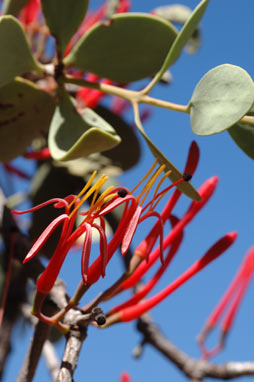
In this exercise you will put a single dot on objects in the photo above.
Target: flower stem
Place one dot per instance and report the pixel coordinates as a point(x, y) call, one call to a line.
point(138, 96)
point(129, 95)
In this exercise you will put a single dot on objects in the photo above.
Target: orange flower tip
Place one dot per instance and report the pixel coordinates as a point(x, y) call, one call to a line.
point(125, 377)
point(232, 236)
point(122, 192)
point(214, 180)
point(187, 177)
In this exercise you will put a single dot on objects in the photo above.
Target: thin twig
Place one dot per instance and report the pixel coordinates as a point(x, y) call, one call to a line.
point(48, 350)
point(194, 369)
point(51, 359)
point(5, 348)
point(33, 355)
point(74, 341)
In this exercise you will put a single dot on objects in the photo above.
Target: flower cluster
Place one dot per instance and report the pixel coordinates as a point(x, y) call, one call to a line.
point(136, 210)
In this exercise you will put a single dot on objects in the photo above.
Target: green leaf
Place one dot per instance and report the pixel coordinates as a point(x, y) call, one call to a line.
point(26, 112)
point(13, 7)
point(63, 19)
point(175, 174)
point(243, 135)
point(16, 55)
point(131, 47)
point(221, 98)
point(179, 14)
point(73, 135)
point(183, 36)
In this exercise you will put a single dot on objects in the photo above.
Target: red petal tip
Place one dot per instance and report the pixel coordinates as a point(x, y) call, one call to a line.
point(232, 235)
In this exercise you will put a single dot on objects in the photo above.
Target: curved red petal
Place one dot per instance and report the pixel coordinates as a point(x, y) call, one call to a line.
point(86, 250)
point(50, 201)
point(130, 230)
point(44, 236)
point(103, 248)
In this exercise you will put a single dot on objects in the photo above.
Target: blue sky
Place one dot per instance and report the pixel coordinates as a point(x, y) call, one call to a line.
point(227, 29)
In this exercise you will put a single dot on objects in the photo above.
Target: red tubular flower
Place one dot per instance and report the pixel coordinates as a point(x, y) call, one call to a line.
point(119, 105)
point(91, 97)
point(125, 377)
point(38, 155)
point(146, 246)
point(134, 213)
point(105, 203)
point(232, 297)
point(143, 251)
point(135, 311)
point(145, 289)
point(124, 6)
point(15, 171)
point(205, 191)
point(30, 12)
point(68, 237)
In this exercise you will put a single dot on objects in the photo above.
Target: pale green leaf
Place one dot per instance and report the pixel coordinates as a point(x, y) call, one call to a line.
point(175, 174)
point(26, 112)
point(16, 55)
point(128, 48)
point(179, 14)
point(183, 36)
point(63, 18)
point(243, 135)
point(221, 98)
point(73, 135)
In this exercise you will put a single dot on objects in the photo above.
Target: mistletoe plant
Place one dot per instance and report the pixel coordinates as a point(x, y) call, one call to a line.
point(58, 59)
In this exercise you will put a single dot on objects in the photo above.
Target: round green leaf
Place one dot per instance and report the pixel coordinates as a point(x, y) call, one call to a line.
point(63, 19)
point(221, 98)
point(131, 47)
point(73, 135)
point(26, 112)
point(16, 55)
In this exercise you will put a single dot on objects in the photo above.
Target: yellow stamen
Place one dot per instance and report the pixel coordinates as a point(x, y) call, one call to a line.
point(97, 206)
point(96, 186)
point(88, 184)
point(152, 206)
point(92, 208)
point(102, 199)
point(150, 183)
point(146, 176)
